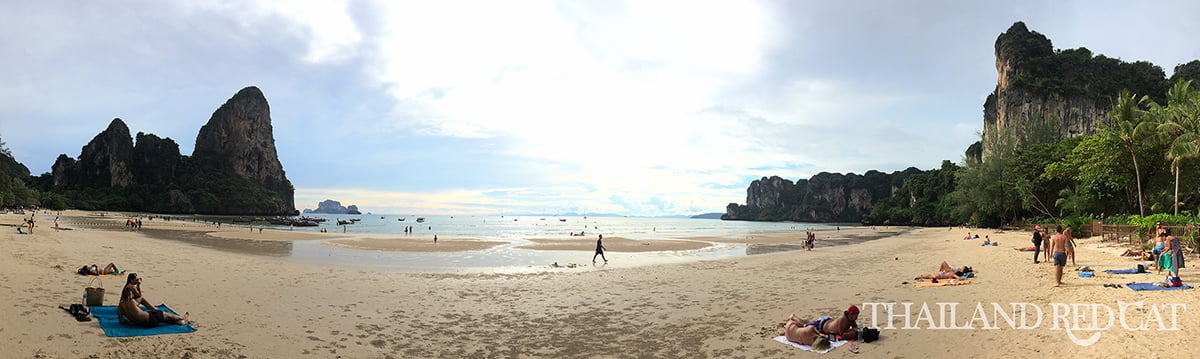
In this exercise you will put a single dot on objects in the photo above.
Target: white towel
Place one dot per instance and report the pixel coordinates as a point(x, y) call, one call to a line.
point(783, 339)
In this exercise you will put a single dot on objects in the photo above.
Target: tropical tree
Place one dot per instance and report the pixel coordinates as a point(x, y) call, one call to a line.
point(1180, 123)
point(1129, 129)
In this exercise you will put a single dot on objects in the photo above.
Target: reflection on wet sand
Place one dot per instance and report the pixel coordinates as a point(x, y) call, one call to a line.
point(245, 246)
point(827, 241)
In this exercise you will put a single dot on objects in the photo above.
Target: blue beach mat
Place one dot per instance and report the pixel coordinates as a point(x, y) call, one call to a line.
point(1124, 271)
point(1151, 286)
point(1086, 274)
point(107, 315)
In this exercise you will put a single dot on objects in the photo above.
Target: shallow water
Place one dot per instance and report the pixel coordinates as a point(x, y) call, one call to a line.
point(506, 258)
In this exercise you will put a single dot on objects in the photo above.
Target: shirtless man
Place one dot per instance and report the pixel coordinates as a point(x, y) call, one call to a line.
point(806, 333)
point(1058, 244)
point(129, 308)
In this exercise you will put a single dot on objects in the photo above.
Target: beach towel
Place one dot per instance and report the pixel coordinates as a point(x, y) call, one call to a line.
point(1151, 286)
point(107, 315)
point(1086, 274)
point(1026, 249)
point(783, 339)
point(1124, 271)
point(942, 282)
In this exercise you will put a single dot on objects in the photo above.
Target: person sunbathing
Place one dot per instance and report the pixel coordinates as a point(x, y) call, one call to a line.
point(806, 332)
point(129, 308)
point(945, 271)
point(95, 270)
point(1142, 255)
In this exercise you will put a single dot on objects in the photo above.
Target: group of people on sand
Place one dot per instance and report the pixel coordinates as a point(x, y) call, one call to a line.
point(1042, 243)
point(1167, 252)
point(809, 240)
point(821, 331)
point(129, 309)
point(31, 222)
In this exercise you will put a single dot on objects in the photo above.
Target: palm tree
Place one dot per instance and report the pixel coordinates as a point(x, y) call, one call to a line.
point(1128, 128)
point(1180, 121)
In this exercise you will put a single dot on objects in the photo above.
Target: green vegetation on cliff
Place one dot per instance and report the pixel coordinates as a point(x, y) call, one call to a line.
point(1074, 72)
point(1137, 160)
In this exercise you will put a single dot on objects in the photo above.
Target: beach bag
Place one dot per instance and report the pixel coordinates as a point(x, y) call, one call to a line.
point(1176, 282)
point(79, 311)
point(869, 335)
point(94, 295)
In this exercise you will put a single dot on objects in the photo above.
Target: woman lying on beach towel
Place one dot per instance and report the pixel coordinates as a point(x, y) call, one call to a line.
point(94, 270)
point(945, 271)
point(1138, 255)
point(129, 308)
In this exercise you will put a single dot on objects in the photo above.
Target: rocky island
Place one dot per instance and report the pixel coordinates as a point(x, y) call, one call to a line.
point(330, 206)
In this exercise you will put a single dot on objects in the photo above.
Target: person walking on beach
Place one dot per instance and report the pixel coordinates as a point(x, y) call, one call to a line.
point(1059, 244)
point(599, 250)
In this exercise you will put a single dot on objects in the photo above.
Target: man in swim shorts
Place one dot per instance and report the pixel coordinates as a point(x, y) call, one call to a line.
point(1058, 244)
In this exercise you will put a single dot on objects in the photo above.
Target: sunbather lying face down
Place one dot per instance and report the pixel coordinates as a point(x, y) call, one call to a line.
point(806, 332)
point(95, 270)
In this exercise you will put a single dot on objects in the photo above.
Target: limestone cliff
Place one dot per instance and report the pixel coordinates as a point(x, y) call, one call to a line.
point(105, 160)
point(239, 136)
point(826, 197)
point(1056, 93)
point(234, 168)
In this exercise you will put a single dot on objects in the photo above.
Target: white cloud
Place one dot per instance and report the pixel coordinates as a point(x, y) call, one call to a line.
point(326, 25)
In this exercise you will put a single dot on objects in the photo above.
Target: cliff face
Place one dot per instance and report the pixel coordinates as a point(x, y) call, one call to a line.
point(1041, 91)
point(154, 159)
point(234, 168)
point(826, 197)
point(105, 160)
point(239, 136)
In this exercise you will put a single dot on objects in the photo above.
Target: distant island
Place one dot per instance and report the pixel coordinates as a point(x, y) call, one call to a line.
point(708, 216)
point(330, 206)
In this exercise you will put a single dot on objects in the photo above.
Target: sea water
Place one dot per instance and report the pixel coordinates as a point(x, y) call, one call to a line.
point(515, 231)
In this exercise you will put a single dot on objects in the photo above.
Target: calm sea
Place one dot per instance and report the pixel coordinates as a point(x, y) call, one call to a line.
point(515, 231)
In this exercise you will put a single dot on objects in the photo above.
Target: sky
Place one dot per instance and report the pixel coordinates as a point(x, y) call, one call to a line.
point(639, 108)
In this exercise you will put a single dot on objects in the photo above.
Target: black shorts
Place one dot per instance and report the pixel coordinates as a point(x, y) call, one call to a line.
point(156, 316)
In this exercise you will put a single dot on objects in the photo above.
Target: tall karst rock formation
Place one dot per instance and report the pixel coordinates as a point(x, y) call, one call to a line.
point(234, 168)
point(239, 137)
point(1043, 93)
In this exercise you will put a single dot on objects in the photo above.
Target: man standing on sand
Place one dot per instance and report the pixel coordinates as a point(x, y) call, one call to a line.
point(1037, 243)
point(1059, 243)
point(599, 250)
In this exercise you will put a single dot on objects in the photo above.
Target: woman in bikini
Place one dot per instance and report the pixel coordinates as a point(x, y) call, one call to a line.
point(945, 271)
point(128, 309)
point(95, 270)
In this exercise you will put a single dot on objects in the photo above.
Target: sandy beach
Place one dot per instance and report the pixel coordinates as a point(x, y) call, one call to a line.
point(248, 305)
